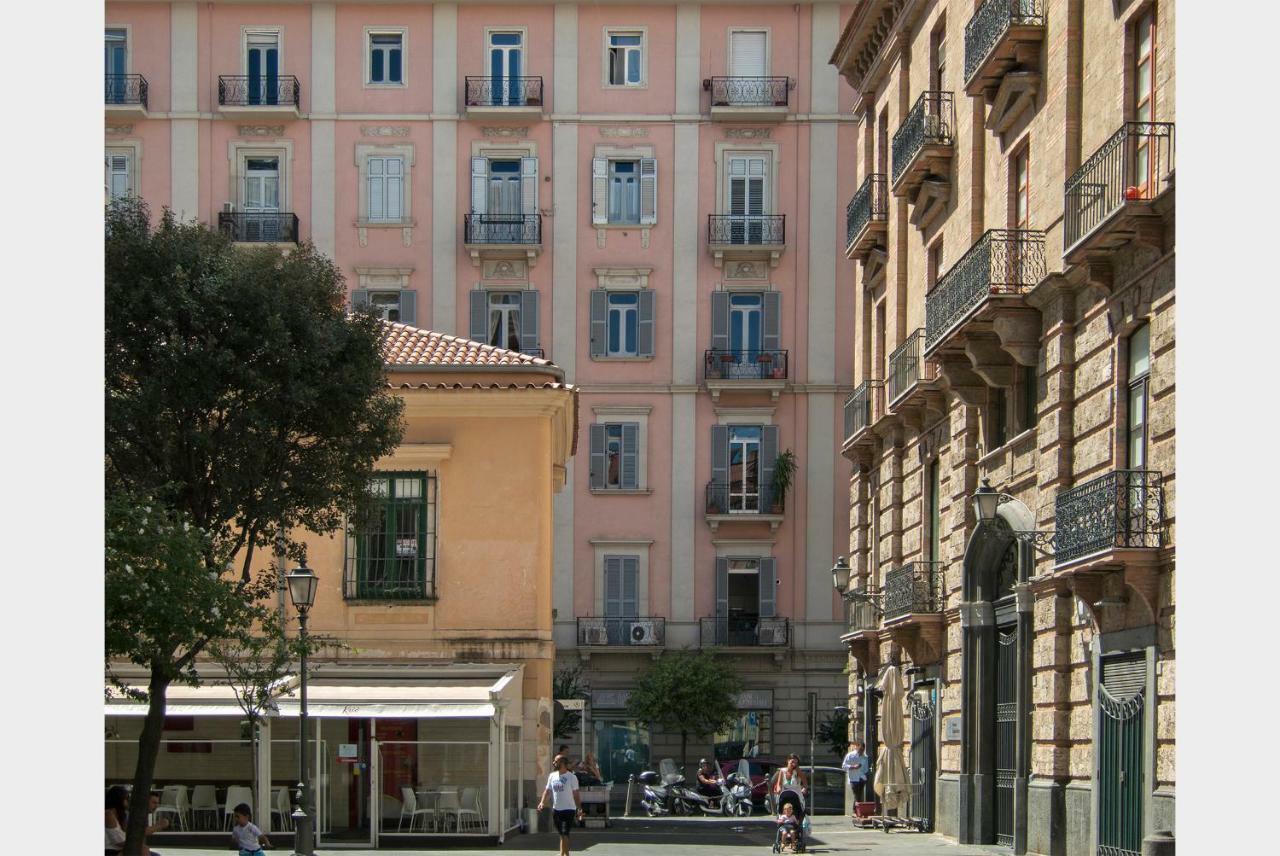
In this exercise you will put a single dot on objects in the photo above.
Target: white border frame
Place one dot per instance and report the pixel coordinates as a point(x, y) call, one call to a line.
point(128, 42)
point(622, 547)
point(366, 48)
point(620, 29)
point(246, 30)
point(132, 148)
point(364, 151)
point(613, 414)
point(238, 150)
point(724, 149)
point(768, 47)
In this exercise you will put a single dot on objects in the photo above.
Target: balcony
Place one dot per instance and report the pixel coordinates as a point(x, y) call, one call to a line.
point(1000, 267)
point(125, 96)
point(922, 149)
point(913, 603)
point(259, 227)
point(634, 634)
point(258, 97)
point(502, 97)
point(912, 380)
point(1002, 58)
point(732, 503)
point(503, 236)
point(866, 219)
point(745, 631)
point(861, 409)
point(860, 610)
point(1110, 518)
point(1114, 196)
point(746, 237)
point(748, 99)
point(744, 371)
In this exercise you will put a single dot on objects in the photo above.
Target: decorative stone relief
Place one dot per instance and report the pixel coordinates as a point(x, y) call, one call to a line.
point(260, 130)
point(505, 269)
point(746, 270)
point(384, 278)
point(384, 130)
point(119, 129)
point(749, 133)
point(623, 278)
point(624, 131)
point(517, 131)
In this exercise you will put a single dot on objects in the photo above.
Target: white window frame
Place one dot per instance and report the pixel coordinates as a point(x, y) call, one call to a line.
point(768, 47)
point(369, 33)
point(610, 414)
point(609, 177)
point(246, 31)
point(614, 153)
point(524, 48)
point(132, 149)
point(404, 151)
point(634, 310)
point(610, 31)
point(639, 549)
point(128, 43)
point(725, 150)
point(238, 152)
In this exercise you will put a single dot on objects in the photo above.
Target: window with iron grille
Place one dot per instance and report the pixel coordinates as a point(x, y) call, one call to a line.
point(391, 549)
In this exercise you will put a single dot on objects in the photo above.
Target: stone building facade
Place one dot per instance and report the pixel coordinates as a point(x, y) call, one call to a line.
point(1014, 314)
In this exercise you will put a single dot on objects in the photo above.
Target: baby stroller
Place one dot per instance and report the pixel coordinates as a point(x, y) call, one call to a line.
point(795, 799)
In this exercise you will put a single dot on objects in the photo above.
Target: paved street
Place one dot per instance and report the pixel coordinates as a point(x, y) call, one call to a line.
point(692, 837)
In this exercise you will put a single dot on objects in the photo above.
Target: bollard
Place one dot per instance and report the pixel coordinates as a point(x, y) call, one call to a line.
point(303, 838)
point(1158, 844)
point(631, 784)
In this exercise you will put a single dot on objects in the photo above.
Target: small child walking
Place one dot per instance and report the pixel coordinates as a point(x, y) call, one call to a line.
point(787, 825)
point(244, 834)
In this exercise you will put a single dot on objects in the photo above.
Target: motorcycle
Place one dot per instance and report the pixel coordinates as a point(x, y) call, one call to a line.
point(738, 802)
point(663, 790)
point(734, 798)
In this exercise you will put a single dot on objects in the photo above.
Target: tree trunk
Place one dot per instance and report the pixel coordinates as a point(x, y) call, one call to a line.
point(148, 751)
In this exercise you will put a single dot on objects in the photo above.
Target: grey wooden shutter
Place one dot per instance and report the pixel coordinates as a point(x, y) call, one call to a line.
point(772, 321)
point(529, 321)
point(480, 315)
point(720, 320)
point(613, 586)
point(479, 185)
point(599, 190)
point(528, 185)
point(599, 464)
point(768, 588)
point(648, 191)
point(768, 457)
point(409, 307)
point(630, 455)
point(599, 322)
point(644, 327)
point(720, 466)
point(630, 586)
point(360, 299)
point(722, 587)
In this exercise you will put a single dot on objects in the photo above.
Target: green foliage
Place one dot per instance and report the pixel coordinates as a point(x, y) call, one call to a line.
point(834, 732)
point(567, 682)
point(784, 471)
point(686, 692)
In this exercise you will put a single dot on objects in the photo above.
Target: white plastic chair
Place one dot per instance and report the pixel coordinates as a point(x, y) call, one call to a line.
point(409, 807)
point(236, 794)
point(173, 800)
point(205, 799)
point(468, 810)
point(280, 796)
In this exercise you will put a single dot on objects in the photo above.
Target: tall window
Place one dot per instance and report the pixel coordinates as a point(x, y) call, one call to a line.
point(504, 320)
point(624, 191)
point(504, 187)
point(1144, 95)
point(262, 60)
point(392, 551)
point(935, 264)
point(1021, 185)
point(615, 456)
point(625, 59)
point(935, 510)
point(621, 595)
point(624, 324)
point(506, 64)
point(938, 56)
point(748, 197)
point(745, 322)
point(386, 188)
point(744, 468)
point(262, 185)
point(386, 63)
point(117, 66)
point(1027, 398)
point(1139, 377)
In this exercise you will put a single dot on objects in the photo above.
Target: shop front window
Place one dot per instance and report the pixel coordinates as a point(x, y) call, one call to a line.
point(622, 749)
point(749, 735)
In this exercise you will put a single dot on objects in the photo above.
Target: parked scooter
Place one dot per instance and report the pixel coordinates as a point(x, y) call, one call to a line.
point(663, 790)
point(724, 801)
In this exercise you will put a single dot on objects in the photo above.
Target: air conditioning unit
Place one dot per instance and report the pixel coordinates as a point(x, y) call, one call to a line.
point(228, 207)
point(595, 636)
point(773, 634)
point(643, 633)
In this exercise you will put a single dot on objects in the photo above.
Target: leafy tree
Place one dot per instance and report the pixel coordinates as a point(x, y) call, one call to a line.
point(243, 406)
point(568, 683)
point(834, 732)
point(688, 692)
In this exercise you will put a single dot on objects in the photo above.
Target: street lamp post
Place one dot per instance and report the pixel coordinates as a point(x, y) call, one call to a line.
point(302, 591)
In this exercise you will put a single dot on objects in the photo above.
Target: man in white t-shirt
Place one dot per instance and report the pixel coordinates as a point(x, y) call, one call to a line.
point(566, 806)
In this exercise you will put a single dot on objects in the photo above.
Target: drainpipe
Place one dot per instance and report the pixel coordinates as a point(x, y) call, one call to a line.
point(1022, 735)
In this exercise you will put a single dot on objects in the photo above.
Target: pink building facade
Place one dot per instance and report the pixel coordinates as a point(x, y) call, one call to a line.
point(650, 196)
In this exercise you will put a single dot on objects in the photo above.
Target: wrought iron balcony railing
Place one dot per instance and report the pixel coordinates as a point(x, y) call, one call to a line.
point(1134, 164)
point(503, 92)
point(267, 227)
point(870, 202)
point(1002, 261)
point(861, 610)
point(745, 631)
point(635, 631)
point(931, 122)
point(914, 588)
point(748, 91)
point(744, 365)
point(735, 499)
point(264, 91)
point(747, 229)
point(859, 408)
point(989, 24)
point(907, 367)
point(502, 229)
point(1123, 509)
point(125, 89)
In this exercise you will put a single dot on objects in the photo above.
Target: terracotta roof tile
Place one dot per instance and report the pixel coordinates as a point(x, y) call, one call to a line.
point(403, 345)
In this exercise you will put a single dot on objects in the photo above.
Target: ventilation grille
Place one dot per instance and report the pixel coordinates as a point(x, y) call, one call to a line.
point(1125, 676)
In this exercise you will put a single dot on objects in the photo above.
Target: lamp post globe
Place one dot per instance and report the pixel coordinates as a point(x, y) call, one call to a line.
point(986, 500)
point(840, 574)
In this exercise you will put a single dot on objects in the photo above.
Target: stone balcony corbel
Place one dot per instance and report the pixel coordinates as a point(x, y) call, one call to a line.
point(957, 378)
point(990, 361)
point(1019, 332)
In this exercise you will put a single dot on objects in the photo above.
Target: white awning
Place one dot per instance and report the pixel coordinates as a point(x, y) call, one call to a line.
point(423, 702)
point(206, 700)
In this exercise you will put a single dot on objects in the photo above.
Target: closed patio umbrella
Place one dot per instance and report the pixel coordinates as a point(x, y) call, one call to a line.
point(891, 775)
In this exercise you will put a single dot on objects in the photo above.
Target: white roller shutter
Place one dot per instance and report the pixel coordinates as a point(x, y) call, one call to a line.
point(747, 53)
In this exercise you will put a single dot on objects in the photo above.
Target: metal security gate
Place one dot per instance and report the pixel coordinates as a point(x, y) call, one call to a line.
point(923, 755)
point(1121, 705)
point(1006, 731)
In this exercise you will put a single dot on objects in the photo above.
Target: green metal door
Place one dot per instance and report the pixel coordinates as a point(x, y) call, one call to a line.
point(1121, 744)
point(1006, 742)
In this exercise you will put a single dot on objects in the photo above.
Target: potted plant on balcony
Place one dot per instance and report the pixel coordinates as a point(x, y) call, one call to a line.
point(784, 470)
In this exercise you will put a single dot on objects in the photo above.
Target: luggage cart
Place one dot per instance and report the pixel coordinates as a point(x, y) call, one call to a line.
point(887, 822)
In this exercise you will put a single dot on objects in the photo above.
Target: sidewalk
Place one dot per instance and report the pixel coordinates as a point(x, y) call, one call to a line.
point(695, 836)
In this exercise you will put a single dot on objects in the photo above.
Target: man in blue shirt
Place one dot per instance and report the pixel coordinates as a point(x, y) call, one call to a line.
point(856, 765)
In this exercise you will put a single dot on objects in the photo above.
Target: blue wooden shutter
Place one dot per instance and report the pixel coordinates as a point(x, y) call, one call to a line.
point(599, 322)
point(718, 501)
point(409, 307)
point(722, 587)
point(644, 325)
point(768, 457)
point(395, 74)
point(720, 320)
point(254, 72)
point(772, 312)
point(529, 321)
point(599, 464)
point(648, 191)
point(768, 588)
point(480, 316)
point(273, 75)
point(613, 604)
point(630, 586)
point(630, 455)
